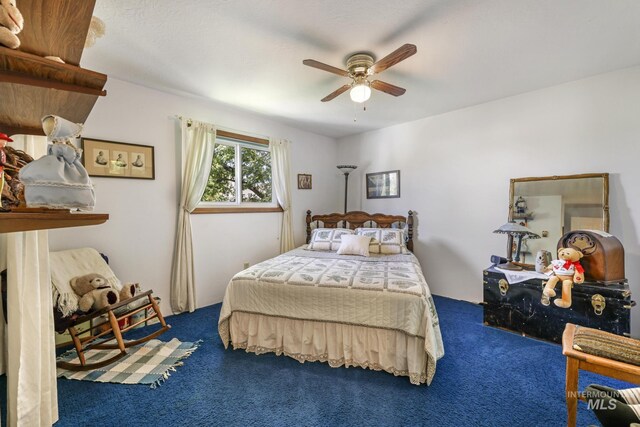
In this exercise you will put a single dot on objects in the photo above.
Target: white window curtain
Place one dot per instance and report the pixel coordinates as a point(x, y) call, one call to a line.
point(198, 140)
point(31, 381)
point(32, 394)
point(280, 155)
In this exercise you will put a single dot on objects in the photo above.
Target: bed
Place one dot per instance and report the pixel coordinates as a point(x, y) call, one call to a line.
point(374, 312)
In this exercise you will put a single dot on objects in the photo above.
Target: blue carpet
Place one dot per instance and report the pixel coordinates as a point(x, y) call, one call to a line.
point(488, 377)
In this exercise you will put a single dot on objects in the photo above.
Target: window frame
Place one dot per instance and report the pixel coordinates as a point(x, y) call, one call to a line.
point(239, 141)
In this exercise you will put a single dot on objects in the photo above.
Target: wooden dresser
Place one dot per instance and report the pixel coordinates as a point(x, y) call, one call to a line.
point(520, 307)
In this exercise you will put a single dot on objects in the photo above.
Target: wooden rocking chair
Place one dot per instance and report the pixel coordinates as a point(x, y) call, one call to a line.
point(100, 336)
point(107, 325)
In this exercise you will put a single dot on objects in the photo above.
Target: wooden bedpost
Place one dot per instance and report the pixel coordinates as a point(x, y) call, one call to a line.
point(308, 226)
point(410, 231)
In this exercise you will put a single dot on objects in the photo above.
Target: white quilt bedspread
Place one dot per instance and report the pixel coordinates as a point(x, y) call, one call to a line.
point(384, 291)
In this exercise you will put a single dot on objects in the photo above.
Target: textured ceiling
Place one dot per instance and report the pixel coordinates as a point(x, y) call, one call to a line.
point(249, 53)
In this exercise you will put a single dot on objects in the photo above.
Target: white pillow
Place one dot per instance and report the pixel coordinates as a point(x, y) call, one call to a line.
point(327, 239)
point(384, 240)
point(354, 245)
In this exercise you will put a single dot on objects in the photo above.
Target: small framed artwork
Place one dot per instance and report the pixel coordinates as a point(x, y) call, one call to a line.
point(118, 159)
point(383, 185)
point(304, 181)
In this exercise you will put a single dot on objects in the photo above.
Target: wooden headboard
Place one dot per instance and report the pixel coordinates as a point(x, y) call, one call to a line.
point(357, 219)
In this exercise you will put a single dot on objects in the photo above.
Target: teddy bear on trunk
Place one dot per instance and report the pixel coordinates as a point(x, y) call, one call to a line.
point(566, 269)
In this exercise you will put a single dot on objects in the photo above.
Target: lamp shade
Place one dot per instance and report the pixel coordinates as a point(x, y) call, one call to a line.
point(347, 168)
point(360, 92)
point(516, 229)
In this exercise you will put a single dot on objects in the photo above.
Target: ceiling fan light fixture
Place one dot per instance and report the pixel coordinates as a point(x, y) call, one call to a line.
point(359, 67)
point(360, 92)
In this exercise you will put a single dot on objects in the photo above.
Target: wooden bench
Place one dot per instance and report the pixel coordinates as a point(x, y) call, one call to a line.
point(577, 360)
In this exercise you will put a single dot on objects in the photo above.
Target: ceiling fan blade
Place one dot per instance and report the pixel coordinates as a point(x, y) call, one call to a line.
point(335, 93)
point(319, 65)
point(387, 88)
point(400, 54)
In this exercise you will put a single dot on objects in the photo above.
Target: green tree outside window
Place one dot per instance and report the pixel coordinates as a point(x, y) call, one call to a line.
point(255, 173)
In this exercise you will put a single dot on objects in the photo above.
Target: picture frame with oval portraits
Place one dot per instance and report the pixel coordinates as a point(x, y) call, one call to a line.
point(111, 159)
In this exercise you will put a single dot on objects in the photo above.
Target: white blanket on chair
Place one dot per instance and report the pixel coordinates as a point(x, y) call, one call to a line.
point(65, 265)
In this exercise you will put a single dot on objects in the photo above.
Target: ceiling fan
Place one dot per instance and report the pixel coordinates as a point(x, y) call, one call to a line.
point(359, 67)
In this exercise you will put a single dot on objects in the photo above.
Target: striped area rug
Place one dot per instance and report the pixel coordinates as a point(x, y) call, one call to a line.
point(149, 363)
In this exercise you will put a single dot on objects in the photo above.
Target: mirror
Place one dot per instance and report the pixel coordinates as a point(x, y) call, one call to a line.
point(554, 205)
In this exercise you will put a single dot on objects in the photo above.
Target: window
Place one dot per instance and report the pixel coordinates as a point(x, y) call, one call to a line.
point(240, 178)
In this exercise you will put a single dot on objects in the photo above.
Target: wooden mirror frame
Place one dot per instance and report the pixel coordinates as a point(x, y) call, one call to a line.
point(605, 197)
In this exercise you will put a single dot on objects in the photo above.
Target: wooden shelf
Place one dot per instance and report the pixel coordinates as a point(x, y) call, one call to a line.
point(55, 27)
point(32, 86)
point(11, 222)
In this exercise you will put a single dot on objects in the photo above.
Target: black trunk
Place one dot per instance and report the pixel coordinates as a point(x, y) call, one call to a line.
point(519, 307)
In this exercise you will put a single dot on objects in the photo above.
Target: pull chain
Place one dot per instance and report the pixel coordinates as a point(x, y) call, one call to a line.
point(355, 110)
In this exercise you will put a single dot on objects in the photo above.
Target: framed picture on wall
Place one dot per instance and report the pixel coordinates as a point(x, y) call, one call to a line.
point(304, 181)
point(117, 159)
point(383, 185)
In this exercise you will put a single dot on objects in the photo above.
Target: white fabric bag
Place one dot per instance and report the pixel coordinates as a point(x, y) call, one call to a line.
point(58, 180)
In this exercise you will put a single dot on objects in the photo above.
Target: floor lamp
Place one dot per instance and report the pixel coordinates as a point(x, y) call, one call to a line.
point(346, 170)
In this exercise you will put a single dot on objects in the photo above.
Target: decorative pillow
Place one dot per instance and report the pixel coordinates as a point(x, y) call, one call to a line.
point(384, 240)
point(327, 239)
point(354, 245)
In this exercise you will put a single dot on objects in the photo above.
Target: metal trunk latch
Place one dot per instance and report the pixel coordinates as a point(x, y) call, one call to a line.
point(503, 285)
point(599, 303)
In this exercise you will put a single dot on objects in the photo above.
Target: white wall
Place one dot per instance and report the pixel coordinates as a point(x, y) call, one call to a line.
point(139, 235)
point(455, 170)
